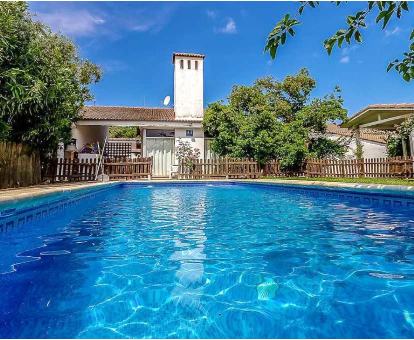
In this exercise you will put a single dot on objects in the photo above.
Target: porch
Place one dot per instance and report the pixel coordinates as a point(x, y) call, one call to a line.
point(158, 133)
point(383, 117)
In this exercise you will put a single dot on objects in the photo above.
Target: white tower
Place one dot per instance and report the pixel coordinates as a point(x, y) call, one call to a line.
point(188, 86)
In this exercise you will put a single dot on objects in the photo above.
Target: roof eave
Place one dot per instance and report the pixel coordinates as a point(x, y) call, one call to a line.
point(189, 55)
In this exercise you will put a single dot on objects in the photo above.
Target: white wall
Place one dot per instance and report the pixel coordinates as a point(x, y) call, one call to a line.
point(197, 141)
point(188, 89)
point(89, 134)
point(411, 140)
point(371, 149)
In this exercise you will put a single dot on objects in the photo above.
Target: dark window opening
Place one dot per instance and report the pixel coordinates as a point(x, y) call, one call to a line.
point(189, 64)
point(196, 65)
point(181, 64)
point(159, 133)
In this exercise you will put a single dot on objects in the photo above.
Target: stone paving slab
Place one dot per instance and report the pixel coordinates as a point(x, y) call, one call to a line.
point(45, 189)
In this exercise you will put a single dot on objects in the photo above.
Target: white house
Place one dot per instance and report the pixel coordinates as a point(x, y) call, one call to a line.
point(160, 128)
point(373, 142)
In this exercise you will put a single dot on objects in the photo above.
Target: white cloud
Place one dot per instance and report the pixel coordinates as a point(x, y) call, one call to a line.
point(396, 30)
point(150, 20)
point(141, 28)
point(344, 60)
point(211, 14)
point(107, 19)
point(229, 28)
point(347, 50)
point(114, 66)
point(72, 23)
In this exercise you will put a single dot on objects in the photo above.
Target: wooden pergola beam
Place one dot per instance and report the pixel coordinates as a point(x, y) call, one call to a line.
point(377, 123)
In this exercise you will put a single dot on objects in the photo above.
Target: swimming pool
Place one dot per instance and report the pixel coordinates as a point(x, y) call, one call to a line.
point(208, 260)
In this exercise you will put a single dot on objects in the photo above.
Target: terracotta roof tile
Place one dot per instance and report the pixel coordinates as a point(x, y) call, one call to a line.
point(127, 113)
point(365, 134)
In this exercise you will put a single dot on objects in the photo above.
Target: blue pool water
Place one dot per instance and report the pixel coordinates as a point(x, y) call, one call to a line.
point(210, 261)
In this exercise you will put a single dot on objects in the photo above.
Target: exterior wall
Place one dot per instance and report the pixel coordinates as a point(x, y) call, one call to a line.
point(412, 143)
point(197, 141)
point(371, 149)
point(188, 89)
point(89, 134)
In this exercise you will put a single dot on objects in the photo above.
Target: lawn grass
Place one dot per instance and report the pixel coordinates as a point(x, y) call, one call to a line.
point(387, 181)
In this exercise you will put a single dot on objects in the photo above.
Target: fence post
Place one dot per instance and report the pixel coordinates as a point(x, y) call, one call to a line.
point(361, 168)
point(227, 166)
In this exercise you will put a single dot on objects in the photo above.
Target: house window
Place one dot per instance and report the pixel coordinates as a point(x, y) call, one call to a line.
point(181, 64)
point(158, 133)
point(196, 65)
point(189, 64)
point(189, 133)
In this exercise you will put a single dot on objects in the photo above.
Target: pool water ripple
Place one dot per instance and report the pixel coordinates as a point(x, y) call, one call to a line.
point(190, 262)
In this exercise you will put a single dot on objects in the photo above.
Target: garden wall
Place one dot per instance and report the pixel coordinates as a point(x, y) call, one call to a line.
point(19, 166)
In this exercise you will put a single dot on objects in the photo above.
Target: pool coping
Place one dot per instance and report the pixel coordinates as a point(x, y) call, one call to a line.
point(379, 188)
point(13, 194)
point(7, 195)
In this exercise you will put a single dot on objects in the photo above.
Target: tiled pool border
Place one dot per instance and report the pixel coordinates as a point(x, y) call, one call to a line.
point(400, 197)
point(12, 217)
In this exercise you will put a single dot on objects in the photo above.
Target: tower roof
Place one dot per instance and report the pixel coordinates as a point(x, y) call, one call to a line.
point(191, 55)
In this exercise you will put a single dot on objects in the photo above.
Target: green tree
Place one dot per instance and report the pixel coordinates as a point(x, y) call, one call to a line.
point(394, 146)
point(43, 80)
point(385, 11)
point(275, 120)
point(122, 132)
point(403, 134)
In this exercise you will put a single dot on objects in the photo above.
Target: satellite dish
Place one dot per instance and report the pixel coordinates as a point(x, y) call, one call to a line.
point(167, 100)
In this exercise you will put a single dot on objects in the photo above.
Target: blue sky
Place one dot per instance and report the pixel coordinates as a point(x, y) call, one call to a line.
point(134, 41)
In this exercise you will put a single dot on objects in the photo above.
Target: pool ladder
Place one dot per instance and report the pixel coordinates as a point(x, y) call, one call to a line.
point(100, 161)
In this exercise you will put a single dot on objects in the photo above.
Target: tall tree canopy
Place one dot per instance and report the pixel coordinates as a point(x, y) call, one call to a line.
point(275, 120)
point(43, 80)
point(122, 131)
point(384, 11)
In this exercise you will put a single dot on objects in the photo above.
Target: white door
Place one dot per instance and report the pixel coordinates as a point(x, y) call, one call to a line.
point(162, 152)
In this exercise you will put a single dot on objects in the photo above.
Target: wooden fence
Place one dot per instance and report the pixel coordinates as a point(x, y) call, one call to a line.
point(400, 167)
point(397, 167)
point(19, 165)
point(351, 168)
point(228, 168)
point(274, 168)
point(124, 168)
point(219, 168)
point(64, 169)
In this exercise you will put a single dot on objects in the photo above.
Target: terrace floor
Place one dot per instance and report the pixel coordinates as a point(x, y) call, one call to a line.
point(44, 189)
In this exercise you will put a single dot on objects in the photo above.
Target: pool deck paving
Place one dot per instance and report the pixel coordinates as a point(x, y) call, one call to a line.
point(45, 189)
point(13, 194)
